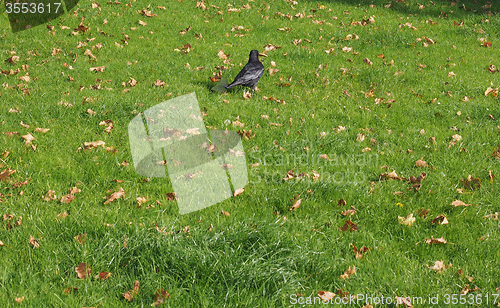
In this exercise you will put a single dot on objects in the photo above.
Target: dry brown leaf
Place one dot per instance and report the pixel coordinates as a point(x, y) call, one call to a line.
point(116, 195)
point(459, 203)
point(471, 183)
point(33, 242)
point(433, 240)
point(103, 275)
point(159, 83)
point(146, 13)
point(439, 266)
point(82, 270)
point(239, 191)
point(97, 69)
point(129, 295)
point(349, 212)
point(80, 238)
point(270, 47)
point(62, 215)
point(296, 205)
point(19, 300)
point(390, 176)
point(160, 296)
point(67, 199)
point(454, 140)
point(49, 196)
point(359, 252)
point(349, 272)
point(141, 200)
point(349, 226)
point(171, 196)
point(493, 216)
point(407, 221)
point(421, 163)
point(28, 138)
point(440, 220)
point(360, 137)
point(93, 144)
point(423, 212)
point(326, 295)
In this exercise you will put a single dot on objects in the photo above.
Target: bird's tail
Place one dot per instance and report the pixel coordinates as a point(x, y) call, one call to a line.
point(221, 86)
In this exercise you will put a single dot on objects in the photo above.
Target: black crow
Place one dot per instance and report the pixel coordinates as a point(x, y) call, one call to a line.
point(250, 74)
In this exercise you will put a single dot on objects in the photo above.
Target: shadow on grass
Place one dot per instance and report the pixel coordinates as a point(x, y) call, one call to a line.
point(436, 7)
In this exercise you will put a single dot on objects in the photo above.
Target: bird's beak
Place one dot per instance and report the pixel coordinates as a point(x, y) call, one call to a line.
point(262, 54)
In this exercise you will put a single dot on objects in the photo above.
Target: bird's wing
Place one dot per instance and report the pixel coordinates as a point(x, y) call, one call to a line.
point(250, 72)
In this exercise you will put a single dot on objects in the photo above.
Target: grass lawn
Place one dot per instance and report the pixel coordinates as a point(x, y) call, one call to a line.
point(372, 113)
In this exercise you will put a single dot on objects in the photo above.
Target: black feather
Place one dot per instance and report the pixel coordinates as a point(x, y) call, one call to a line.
point(250, 74)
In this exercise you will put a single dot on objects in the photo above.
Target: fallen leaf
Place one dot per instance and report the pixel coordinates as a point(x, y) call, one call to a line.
point(33, 242)
point(80, 238)
point(471, 183)
point(440, 220)
point(326, 295)
point(349, 226)
point(160, 296)
point(74, 190)
point(349, 212)
point(28, 139)
point(238, 191)
point(159, 83)
point(390, 176)
point(141, 201)
point(433, 240)
point(349, 272)
point(359, 252)
point(93, 144)
point(49, 196)
point(423, 212)
point(270, 47)
point(67, 199)
point(19, 300)
point(296, 205)
point(68, 290)
point(129, 295)
point(171, 196)
point(421, 163)
point(97, 69)
point(459, 203)
point(467, 289)
point(493, 216)
point(439, 266)
point(407, 221)
point(42, 130)
point(116, 195)
point(62, 215)
point(103, 275)
point(82, 270)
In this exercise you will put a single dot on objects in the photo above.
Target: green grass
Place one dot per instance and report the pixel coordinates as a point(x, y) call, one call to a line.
point(255, 257)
